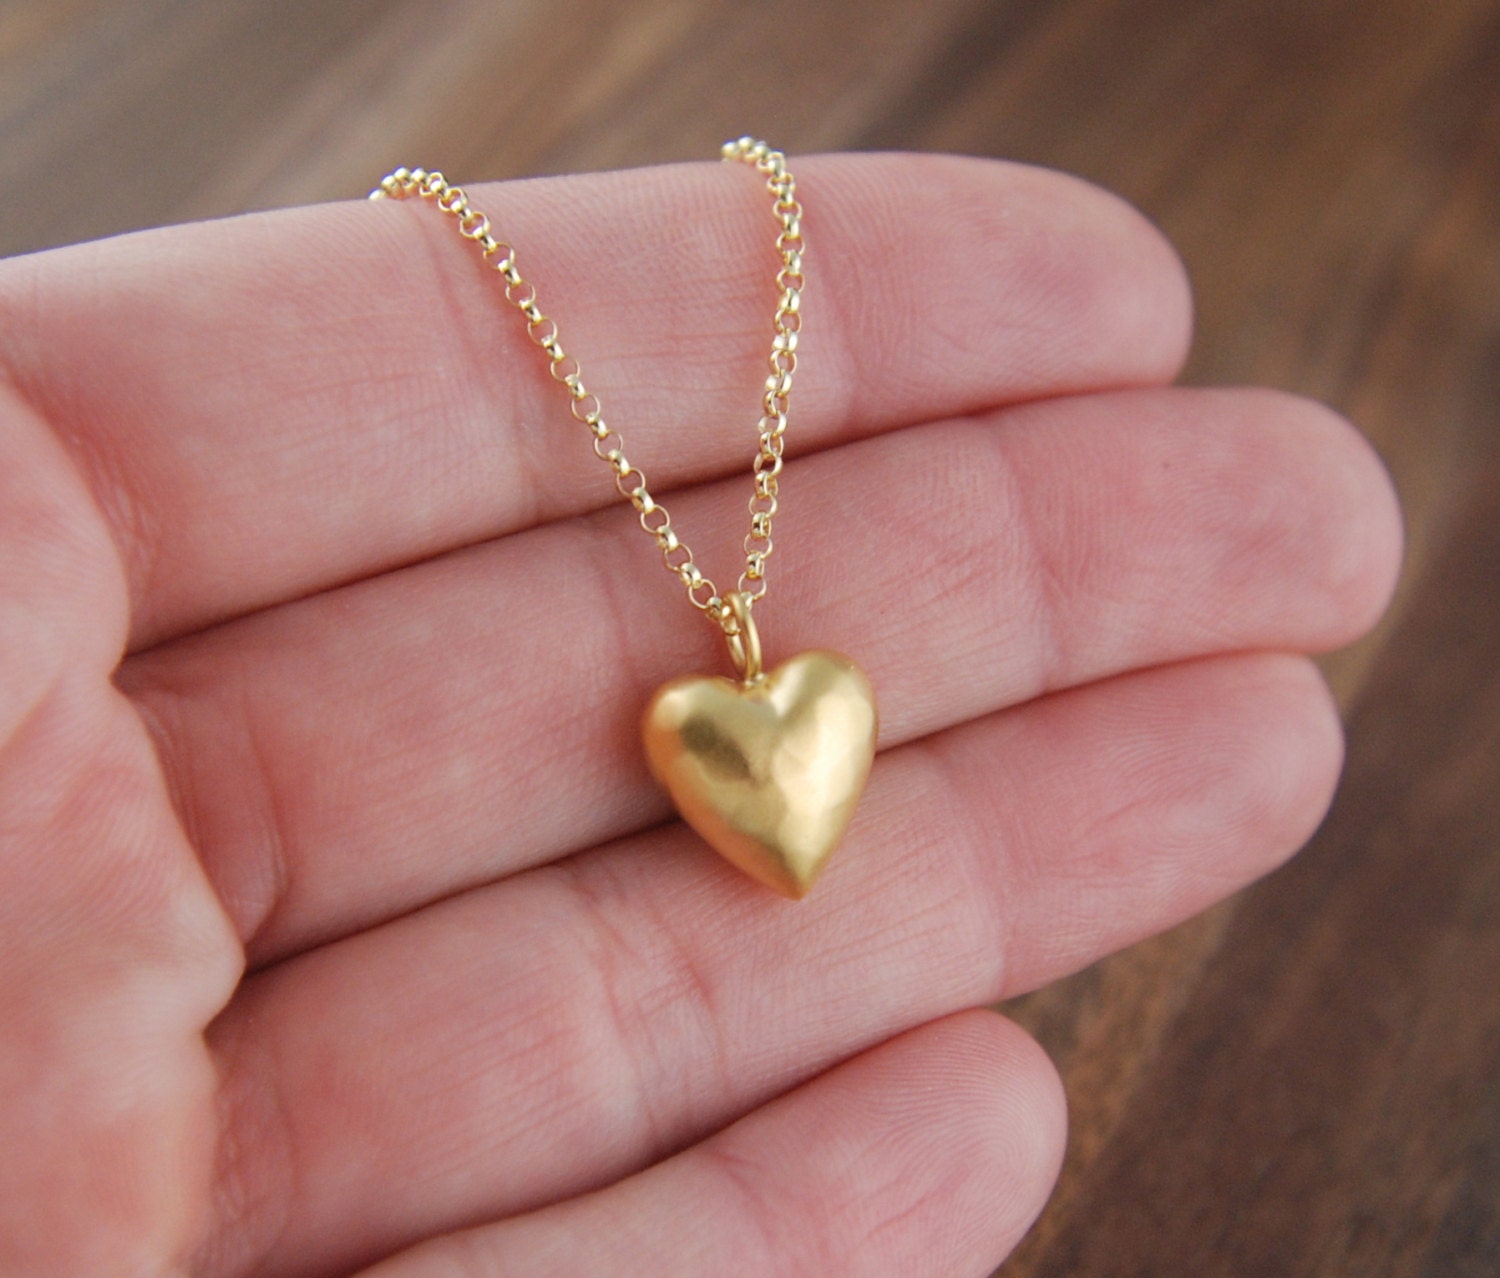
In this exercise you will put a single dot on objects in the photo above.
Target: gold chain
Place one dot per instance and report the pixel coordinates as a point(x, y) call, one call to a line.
point(609, 446)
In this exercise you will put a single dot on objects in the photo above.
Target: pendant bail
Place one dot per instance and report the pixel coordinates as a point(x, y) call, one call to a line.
point(743, 639)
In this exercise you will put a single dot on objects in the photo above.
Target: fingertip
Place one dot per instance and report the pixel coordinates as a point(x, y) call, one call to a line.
point(950, 1137)
point(1353, 513)
point(1302, 753)
point(1033, 279)
point(1271, 762)
point(1014, 1115)
point(1366, 575)
point(1219, 769)
point(1131, 280)
point(1364, 533)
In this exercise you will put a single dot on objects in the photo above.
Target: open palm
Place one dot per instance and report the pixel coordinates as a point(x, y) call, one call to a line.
point(341, 923)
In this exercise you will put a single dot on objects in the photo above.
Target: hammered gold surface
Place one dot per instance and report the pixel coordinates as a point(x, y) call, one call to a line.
point(768, 773)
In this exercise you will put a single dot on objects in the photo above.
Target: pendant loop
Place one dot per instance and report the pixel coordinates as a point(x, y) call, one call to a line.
point(743, 639)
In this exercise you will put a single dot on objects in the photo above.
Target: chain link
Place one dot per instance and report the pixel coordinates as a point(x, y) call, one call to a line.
point(608, 444)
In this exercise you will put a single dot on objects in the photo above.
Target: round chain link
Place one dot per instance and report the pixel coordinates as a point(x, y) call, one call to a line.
point(608, 445)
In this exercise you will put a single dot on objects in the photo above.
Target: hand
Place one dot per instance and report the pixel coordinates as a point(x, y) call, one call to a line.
point(339, 913)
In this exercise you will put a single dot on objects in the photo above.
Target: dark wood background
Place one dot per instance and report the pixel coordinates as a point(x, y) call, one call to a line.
point(1307, 1080)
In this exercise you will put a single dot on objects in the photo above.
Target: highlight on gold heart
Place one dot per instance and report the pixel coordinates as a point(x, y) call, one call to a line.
point(767, 772)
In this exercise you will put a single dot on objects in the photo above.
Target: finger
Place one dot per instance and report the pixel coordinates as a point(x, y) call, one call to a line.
point(351, 757)
point(114, 953)
point(273, 404)
point(930, 1154)
point(529, 1041)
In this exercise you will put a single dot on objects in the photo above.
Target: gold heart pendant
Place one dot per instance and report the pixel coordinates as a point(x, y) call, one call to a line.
point(767, 771)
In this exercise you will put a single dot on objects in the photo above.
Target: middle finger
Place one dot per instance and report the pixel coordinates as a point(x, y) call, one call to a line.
point(347, 758)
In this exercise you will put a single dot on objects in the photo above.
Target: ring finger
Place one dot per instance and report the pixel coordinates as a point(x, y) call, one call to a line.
point(534, 1039)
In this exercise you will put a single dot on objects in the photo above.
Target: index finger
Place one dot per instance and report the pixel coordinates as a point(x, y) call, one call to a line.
point(271, 405)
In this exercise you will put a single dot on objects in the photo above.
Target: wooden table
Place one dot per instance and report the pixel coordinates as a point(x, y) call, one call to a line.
point(1306, 1081)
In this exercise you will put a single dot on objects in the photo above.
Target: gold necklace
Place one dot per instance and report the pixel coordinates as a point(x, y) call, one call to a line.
point(767, 769)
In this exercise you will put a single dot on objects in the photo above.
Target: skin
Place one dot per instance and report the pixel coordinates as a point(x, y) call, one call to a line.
point(340, 923)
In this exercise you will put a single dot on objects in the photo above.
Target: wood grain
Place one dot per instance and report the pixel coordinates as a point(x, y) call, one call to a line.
point(1307, 1080)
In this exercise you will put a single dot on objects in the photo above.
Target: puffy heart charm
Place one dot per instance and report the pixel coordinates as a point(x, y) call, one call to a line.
point(769, 771)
